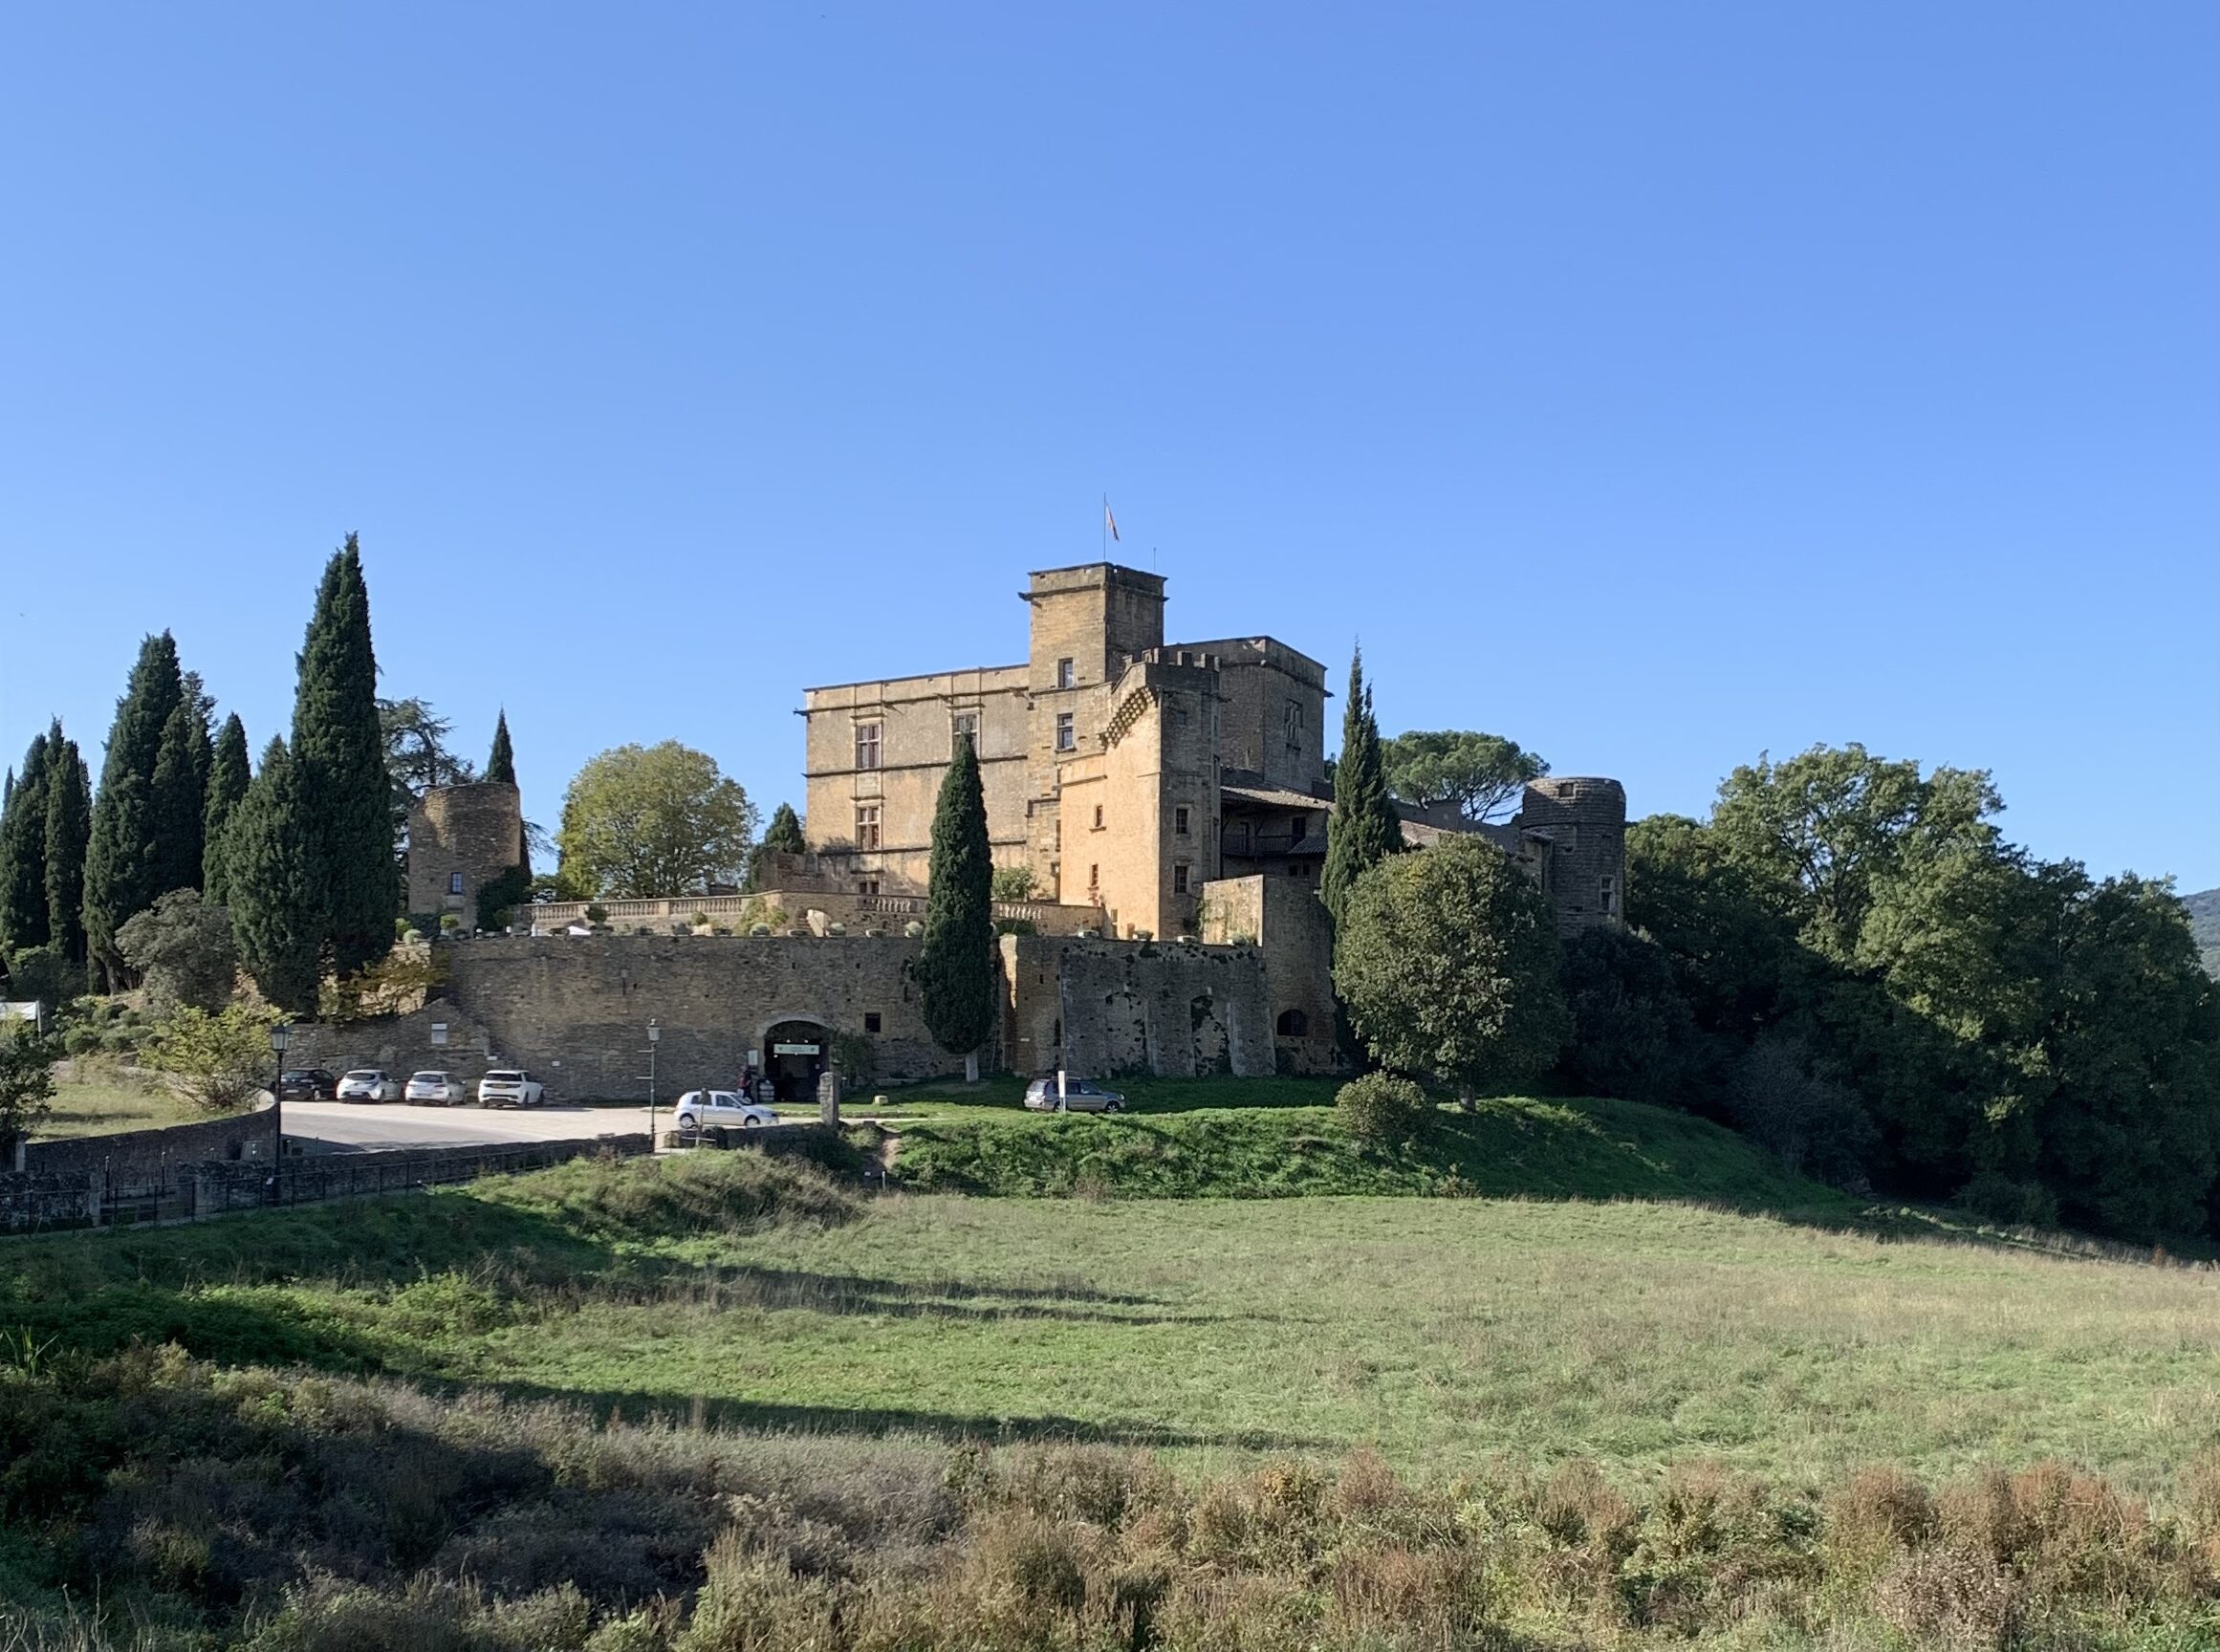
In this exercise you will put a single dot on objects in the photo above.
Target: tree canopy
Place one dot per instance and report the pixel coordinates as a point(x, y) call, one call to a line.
point(642, 821)
point(272, 866)
point(1447, 958)
point(338, 755)
point(125, 860)
point(1480, 774)
point(1364, 829)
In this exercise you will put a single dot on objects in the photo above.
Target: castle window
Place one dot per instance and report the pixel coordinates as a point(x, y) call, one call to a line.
point(867, 745)
point(1098, 816)
point(454, 882)
point(1066, 676)
point(1297, 869)
point(1293, 1024)
point(1299, 827)
point(1067, 737)
point(1094, 878)
point(1179, 821)
point(1180, 879)
point(965, 726)
point(1603, 897)
point(871, 1022)
point(866, 825)
point(866, 885)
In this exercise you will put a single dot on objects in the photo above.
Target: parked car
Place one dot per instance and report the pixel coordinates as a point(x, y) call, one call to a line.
point(368, 1084)
point(509, 1087)
point(307, 1084)
point(706, 1109)
point(434, 1089)
point(1079, 1096)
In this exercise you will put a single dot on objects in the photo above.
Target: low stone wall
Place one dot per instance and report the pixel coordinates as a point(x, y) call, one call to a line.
point(252, 1135)
point(816, 910)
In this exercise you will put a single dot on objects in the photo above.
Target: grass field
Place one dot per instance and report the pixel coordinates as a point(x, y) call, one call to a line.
point(718, 1401)
point(104, 1102)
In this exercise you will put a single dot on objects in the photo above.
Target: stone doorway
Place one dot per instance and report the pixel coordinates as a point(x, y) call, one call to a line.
point(795, 1053)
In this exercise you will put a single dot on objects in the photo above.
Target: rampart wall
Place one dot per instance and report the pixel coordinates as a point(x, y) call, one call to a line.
point(1109, 1007)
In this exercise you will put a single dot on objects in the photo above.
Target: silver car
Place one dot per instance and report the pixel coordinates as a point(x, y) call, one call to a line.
point(367, 1084)
point(1079, 1096)
point(434, 1089)
point(706, 1109)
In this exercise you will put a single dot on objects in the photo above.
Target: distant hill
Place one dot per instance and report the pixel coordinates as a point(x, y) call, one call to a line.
point(2205, 924)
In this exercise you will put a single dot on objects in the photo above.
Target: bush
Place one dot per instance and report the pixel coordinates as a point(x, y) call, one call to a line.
point(42, 972)
point(217, 1062)
point(1384, 1111)
point(182, 949)
point(1011, 883)
point(1791, 1105)
point(597, 913)
point(1996, 1197)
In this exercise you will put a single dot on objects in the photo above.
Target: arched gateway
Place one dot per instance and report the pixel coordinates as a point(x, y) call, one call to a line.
point(795, 1053)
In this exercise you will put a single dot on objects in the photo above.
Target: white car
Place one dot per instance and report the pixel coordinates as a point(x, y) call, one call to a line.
point(509, 1087)
point(367, 1084)
point(1079, 1096)
point(706, 1109)
point(434, 1089)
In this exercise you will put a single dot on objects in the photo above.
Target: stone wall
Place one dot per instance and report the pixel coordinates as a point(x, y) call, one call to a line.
point(574, 1011)
point(1102, 1009)
point(1285, 919)
point(440, 1038)
point(130, 1153)
point(1585, 821)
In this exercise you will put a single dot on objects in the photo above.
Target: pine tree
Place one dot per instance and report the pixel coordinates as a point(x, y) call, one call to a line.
point(339, 749)
point(955, 969)
point(501, 761)
point(68, 825)
point(272, 871)
point(177, 800)
point(784, 834)
point(229, 778)
point(1365, 828)
point(124, 862)
point(23, 919)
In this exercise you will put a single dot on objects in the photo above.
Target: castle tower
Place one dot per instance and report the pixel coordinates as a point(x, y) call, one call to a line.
point(460, 839)
point(1584, 819)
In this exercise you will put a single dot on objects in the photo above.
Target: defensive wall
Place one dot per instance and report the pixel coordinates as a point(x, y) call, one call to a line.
point(787, 909)
point(1109, 1007)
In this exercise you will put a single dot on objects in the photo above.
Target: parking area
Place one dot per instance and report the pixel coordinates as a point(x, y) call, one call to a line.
point(351, 1126)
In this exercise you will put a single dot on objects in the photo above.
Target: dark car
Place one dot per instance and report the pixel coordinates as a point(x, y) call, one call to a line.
point(307, 1084)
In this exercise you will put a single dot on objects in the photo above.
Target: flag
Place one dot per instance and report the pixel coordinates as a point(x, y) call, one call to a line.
point(1109, 521)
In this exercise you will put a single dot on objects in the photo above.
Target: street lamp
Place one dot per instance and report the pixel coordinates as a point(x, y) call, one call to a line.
point(654, 1037)
point(280, 1035)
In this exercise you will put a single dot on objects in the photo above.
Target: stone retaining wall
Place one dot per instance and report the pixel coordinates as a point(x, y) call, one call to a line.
point(252, 1135)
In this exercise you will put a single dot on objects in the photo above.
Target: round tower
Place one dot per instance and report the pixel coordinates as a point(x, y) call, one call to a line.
point(1584, 819)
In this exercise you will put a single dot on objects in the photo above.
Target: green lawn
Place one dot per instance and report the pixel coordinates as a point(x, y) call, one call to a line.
point(104, 1104)
point(1446, 1332)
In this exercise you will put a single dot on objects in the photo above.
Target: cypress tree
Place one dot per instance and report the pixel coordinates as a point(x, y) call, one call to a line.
point(123, 860)
point(501, 762)
point(955, 969)
point(784, 834)
point(23, 919)
point(177, 800)
point(68, 825)
point(229, 778)
point(339, 749)
point(272, 872)
point(1365, 828)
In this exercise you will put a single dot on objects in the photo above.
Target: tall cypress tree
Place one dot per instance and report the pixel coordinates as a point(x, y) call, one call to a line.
point(272, 871)
point(229, 778)
point(501, 762)
point(955, 969)
point(23, 919)
point(338, 748)
point(1365, 828)
point(178, 801)
point(124, 862)
point(69, 826)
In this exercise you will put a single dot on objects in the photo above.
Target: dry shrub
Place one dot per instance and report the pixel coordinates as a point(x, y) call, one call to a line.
point(1880, 1511)
point(1434, 1596)
point(1951, 1597)
point(1579, 1508)
point(751, 1600)
point(2200, 1500)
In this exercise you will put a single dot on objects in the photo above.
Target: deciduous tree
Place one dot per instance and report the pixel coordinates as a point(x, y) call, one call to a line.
point(643, 821)
point(184, 953)
point(27, 1059)
point(1479, 773)
point(955, 967)
point(219, 1062)
point(1447, 960)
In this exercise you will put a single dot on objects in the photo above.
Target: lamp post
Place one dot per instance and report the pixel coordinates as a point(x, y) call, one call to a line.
point(280, 1035)
point(654, 1037)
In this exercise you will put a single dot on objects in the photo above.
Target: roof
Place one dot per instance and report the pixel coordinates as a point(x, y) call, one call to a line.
point(1275, 797)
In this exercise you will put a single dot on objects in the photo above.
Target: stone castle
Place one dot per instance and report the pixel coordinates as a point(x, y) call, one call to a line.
point(1168, 803)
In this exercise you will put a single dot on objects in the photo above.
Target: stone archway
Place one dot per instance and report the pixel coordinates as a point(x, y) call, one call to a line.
point(795, 1052)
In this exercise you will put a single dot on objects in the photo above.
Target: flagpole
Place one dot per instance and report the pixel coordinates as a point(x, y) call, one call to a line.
point(1105, 526)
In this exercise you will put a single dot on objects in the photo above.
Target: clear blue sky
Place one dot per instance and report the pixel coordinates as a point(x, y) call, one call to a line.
point(1655, 384)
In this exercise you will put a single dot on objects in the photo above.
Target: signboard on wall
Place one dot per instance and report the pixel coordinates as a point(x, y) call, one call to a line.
point(794, 1048)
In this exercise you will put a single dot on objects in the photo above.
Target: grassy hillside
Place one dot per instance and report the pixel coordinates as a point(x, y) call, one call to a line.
point(1508, 1147)
point(2205, 924)
point(1628, 1423)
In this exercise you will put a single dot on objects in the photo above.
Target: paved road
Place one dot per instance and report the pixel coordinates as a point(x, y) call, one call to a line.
point(348, 1126)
